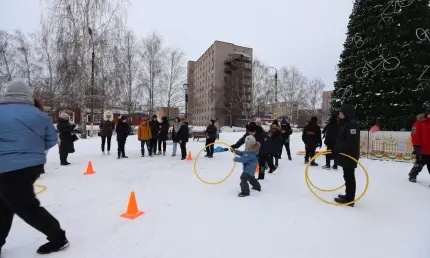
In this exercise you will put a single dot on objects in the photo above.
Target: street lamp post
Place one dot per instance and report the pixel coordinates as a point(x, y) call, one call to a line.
point(93, 56)
point(276, 83)
point(185, 85)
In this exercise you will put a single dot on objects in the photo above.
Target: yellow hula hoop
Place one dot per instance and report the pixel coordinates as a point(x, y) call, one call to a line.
point(218, 182)
point(43, 188)
point(310, 184)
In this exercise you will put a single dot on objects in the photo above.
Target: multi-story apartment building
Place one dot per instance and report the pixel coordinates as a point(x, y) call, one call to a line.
point(219, 84)
point(287, 109)
point(325, 107)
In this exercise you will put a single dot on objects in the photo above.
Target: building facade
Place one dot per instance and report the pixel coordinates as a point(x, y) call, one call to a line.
point(325, 107)
point(219, 84)
point(288, 110)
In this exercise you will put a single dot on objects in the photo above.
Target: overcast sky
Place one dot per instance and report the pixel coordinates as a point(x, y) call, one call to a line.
point(306, 33)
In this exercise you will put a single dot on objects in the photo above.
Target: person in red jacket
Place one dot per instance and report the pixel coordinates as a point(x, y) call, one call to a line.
point(421, 141)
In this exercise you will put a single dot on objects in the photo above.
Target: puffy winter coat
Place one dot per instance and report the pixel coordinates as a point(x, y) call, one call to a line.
point(248, 158)
point(348, 139)
point(211, 131)
point(183, 133)
point(144, 132)
point(122, 131)
point(107, 126)
point(155, 128)
point(164, 129)
point(330, 131)
point(25, 134)
point(276, 139)
point(176, 126)
point(65, 130)
point(286, 131)
point(421, 135)
point(311, 135)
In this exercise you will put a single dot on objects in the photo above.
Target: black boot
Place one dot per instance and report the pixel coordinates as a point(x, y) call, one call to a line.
point(289, 158)
point(119, 155)
point(341, 199)
point(314, 164)
point(334, 167)
point(52, 247)
point(260, 176)
point(326, 167)
point(243, 194)
point(272, 170)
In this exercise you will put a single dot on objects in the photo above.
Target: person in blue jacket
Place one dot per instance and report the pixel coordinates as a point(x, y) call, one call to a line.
point(249, 160)
point(25, 134)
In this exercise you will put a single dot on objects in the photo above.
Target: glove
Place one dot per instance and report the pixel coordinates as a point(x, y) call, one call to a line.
point(417, 150)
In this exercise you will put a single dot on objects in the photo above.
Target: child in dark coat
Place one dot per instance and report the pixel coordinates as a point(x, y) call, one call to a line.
point(122, 132)
point(249, 160)
point(211, 137)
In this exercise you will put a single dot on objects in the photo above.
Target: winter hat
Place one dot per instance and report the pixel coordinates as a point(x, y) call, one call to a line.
point(251, 127)
point(17, 91)
point(427, 112)
point(64, 116)
point(250, 140)
point(314, 119)
point(122, 118)
point(154, 116)
point(212, 121)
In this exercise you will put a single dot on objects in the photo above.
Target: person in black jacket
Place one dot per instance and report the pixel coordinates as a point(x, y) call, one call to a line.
point(211, 133)
point(106, 129)
point(330, 134)
point(65, 133)
point(155, 129)
point(286, 131)
point(162, 136)
point(122, 132)
point(347, 142)
point(312, 138)
point(265, 147)
point(275, 136)
point(182, 136)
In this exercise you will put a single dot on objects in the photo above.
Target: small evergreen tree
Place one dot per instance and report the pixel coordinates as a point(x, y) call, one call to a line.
point(382, 62)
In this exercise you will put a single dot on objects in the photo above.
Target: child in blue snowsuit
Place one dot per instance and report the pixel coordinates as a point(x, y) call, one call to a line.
point(250, 161)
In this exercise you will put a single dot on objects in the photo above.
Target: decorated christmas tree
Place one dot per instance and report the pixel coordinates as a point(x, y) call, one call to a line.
point(381, 68)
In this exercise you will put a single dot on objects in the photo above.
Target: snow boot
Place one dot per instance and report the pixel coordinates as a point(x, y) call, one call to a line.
point(327, 167)
point(52, 247)
point(412, 179)
point(256, 189)
point(159, 153)
point(243, 194)
point(173, 155)
point(314, 164)
point(143, 155)
point(334, 167)
point(272, 170)
point(260, 176)
point(164, 153)
point(343, 201)
point(289, 158)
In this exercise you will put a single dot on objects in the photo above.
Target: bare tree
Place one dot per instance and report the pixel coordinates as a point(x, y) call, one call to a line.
point(131, 67)
point(7, 58)
point(26, 63)
point(259, 77)
point(292, 88)
point(152, 59)
point(314, 90)
point(174, 77)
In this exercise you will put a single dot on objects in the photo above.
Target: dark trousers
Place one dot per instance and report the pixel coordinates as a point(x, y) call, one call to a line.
point(262, 159)
point(310, 152)
point(63, 157)
point(153, 143)
point(276, 157)
point(183, 146)
point(17, 197)
point(148, 146)
point(349, 176)
point(330, 157)
point(210, 149)
point(159, 145)
point(287, 147)
point(121, 147)
point(109, 138)
point(244, 179)
point(420, 162)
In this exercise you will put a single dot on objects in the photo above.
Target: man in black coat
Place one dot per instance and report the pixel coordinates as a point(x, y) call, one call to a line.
point(265, 147)
point(330, 135)
point(163, 135)
point(312, 139)
point(67, 138)
point(155, 129)
point(211, 133)
point(348, 142)
point(182, 137)
point(286, 131)
point(122, 132)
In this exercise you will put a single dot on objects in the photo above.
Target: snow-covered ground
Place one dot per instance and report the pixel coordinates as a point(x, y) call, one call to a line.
point(185, 218)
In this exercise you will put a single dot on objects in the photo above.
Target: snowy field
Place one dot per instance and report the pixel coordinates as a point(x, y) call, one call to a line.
point(185, 218)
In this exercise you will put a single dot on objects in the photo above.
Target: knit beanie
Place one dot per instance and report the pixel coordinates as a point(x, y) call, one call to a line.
point(17, 91)
point(250, 140)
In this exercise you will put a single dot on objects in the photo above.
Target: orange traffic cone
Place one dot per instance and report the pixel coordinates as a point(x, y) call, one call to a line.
point(189, 156)
point(132, 209)
point(257, 170)
point(90, 170)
